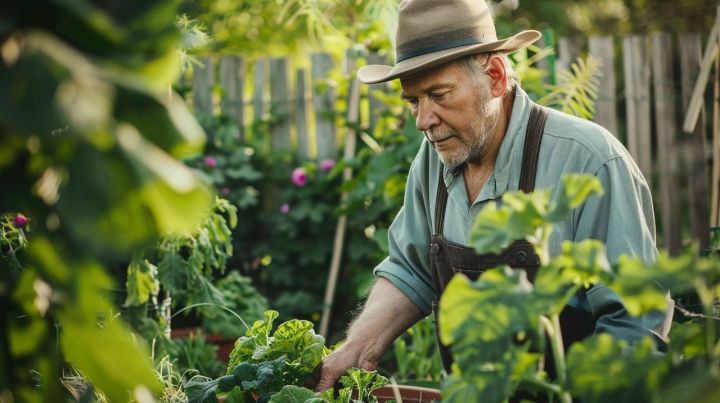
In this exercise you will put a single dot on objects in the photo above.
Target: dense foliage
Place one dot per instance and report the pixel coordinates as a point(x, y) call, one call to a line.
point(89, 139)
point(497, 325)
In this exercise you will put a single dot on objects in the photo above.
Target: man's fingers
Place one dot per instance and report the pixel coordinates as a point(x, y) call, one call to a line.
point(329, 376)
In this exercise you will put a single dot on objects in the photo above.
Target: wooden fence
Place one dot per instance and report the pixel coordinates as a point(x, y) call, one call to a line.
point(646, 84)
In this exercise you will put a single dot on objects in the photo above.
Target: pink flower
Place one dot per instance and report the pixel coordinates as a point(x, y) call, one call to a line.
point(327, 165)
point(210, 161)
point(299, 176)
point(20, 221)
point(284, 208)
point(225, 191)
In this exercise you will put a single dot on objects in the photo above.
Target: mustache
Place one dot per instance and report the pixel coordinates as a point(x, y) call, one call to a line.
point(436, 137)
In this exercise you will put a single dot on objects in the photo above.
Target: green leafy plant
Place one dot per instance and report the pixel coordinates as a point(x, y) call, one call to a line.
point(184, 264)
point(263, 361)
point(357, 386)
point(271, 366)
point(90, 144)
point(417, 356)
point(497, 325)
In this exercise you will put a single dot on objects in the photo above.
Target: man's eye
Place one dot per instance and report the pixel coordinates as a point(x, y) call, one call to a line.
point(438, 97)
point(412, 102)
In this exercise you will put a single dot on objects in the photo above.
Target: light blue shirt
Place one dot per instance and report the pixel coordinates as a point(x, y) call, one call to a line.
point(622, 218)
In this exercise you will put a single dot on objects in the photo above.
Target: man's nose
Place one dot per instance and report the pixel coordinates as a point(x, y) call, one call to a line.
point(426, 117)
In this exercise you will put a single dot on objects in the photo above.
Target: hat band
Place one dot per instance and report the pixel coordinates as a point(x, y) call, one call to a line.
point(444, 40)
point(430, 49)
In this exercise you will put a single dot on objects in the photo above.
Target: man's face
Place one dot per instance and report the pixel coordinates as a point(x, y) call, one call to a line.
point(457, 113)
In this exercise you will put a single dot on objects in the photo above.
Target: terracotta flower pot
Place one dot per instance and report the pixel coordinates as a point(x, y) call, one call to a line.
point(408, 394)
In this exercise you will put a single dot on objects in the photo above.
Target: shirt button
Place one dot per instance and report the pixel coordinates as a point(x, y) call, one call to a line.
point(434, 249)
point(521, 256)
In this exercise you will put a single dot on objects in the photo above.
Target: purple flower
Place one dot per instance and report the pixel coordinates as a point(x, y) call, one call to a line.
point(327, 165)
point(20, 221)
point(284, 208)
point(225, 191)
point(210, 162)
point(299, 176)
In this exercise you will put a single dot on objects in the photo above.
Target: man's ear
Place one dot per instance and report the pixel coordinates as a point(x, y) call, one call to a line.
point(498, 75)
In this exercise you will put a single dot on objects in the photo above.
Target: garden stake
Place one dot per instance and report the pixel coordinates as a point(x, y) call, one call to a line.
point(350, 137)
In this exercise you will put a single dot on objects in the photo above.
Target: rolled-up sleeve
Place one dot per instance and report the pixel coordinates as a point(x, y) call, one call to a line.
point(407, 265)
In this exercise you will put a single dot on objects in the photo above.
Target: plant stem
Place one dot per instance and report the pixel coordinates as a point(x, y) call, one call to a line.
point(552, 328)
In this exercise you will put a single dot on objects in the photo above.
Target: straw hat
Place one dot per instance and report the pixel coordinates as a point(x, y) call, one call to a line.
point(433, 32)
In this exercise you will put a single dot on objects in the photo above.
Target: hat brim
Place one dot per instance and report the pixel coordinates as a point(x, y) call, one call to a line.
point(376, 73)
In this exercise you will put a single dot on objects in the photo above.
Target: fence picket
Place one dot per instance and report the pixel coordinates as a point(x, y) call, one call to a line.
point(324, 103)
point(259, 90)
point(203, 80)
point(232, 80)
point(606, 104)
point(637, 101)
point(568, 52)
point(666, 164)
point(280, 104)
point(303, 146)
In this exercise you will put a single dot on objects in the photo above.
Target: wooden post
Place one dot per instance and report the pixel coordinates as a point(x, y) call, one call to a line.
point(696, 101)
point(203, 79)
point(258, 99)
point(303, 146)
point(349, 152)
point(232, 79)
point(715, 204)
point(376, 107)
point(666, 163)
point(605, 107)
point(280, 104)
point(696, 149)
point(568, 53)
point(637, 96)
point(324, 103)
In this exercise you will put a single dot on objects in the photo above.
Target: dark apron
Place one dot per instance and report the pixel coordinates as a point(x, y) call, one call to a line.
point(448, 258)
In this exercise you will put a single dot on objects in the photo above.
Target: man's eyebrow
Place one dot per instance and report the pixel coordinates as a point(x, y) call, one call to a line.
point(432, 88)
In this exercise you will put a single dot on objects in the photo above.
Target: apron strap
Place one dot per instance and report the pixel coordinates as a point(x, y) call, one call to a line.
point(531, 151)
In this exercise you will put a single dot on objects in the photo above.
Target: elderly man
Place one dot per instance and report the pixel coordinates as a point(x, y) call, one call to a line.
point(484, 136)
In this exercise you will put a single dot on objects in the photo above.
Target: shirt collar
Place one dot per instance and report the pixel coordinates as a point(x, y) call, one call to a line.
point(509, 159)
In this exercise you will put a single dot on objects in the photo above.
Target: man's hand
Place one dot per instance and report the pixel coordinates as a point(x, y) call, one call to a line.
point(386, 315)
point(347, 356)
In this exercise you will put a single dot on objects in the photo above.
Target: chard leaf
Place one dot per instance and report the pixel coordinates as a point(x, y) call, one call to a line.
point(293, 394)
point(141, 282)
point(201, 391)
point(643, 288)
point(604, 369)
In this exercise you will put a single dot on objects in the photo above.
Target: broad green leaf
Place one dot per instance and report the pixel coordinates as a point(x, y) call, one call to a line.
point(119, 372)
point(292, 394)
point(604, 369)
point(575, 190)
point(519, 217)
point(28, 332)
point(490, 232)
point(165, 121)
point(492, 308)
point(173, 270)
point(141, 282)
point(639, 285)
